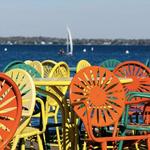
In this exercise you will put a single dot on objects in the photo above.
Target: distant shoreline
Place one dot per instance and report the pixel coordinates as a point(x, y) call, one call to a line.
point(62, 41)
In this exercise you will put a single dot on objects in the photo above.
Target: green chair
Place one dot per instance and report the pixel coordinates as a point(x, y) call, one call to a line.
point(147, 63)
point(11, 64)
point(141, 125)
point(110, 64)
point(33, 72)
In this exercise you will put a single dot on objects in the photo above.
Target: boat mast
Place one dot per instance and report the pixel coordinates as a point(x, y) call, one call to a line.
point(69, 42)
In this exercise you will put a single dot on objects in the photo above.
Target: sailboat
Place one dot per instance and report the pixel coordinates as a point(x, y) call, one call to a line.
point(69, 42)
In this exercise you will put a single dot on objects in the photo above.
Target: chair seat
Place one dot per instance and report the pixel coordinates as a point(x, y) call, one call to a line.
point(29, 131)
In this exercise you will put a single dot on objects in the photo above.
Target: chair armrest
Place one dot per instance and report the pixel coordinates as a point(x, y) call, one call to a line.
point(42, 114)
point(129, 101)
point(132, 95)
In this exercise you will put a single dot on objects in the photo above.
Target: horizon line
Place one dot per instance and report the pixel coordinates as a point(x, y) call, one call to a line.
point(74, 38)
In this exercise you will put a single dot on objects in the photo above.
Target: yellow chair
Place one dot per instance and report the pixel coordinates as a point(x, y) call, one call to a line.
point(28, 62)
point(82, 64)
point(38, 66)
point(47, 66)
point(28, 93)
point(60, 70)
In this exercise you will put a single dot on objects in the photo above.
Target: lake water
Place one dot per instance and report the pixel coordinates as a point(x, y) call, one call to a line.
point(95, 54)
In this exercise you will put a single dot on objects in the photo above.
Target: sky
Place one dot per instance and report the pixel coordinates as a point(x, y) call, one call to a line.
point(127, 19)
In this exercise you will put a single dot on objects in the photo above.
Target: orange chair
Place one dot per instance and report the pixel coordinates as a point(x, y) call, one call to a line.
point(10, 109)
point(140, 75)
point(98, 98)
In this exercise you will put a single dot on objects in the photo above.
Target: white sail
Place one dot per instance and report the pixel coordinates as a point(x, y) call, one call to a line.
point(69, 42)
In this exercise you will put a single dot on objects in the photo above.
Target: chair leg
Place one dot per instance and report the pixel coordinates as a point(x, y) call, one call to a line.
point(40, 144)
point(23, 144)
point(136, 146)
point(15, 142)
point(84, 145)
point(58, 134)
point(2, 148)
point(43, 141)
point(148, 143)
point(104, 145)
point(120, 147)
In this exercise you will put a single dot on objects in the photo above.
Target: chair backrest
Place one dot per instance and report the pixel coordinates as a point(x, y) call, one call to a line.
point(146, 114)
point(97, 97)
point(28, 62)
point(10, 109)
point(147, 63)
point(11, 64)
point(82, 64)
point(38, 66)
point(27, 88)
point(60, 70)
point(47, 66)
point(110, 64)
point(32, 71)
point(139, 74)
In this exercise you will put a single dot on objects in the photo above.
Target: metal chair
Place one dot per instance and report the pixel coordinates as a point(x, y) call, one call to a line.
point(110, 64)
point(140, 75)
point(28, 62)
point(15, 62)
point(147, 63)
point(38, 66)
point(141, 123)
point(82, 64)
point(27, 88)
point(98, 98)
point(10, 109)
point(47, 66)
point(60, 70)
point(135, 70)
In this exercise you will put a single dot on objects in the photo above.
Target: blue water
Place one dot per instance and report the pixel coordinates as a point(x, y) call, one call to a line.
point(100, 53)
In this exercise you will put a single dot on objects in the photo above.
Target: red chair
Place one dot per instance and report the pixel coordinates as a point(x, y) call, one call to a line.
point(10, 109)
